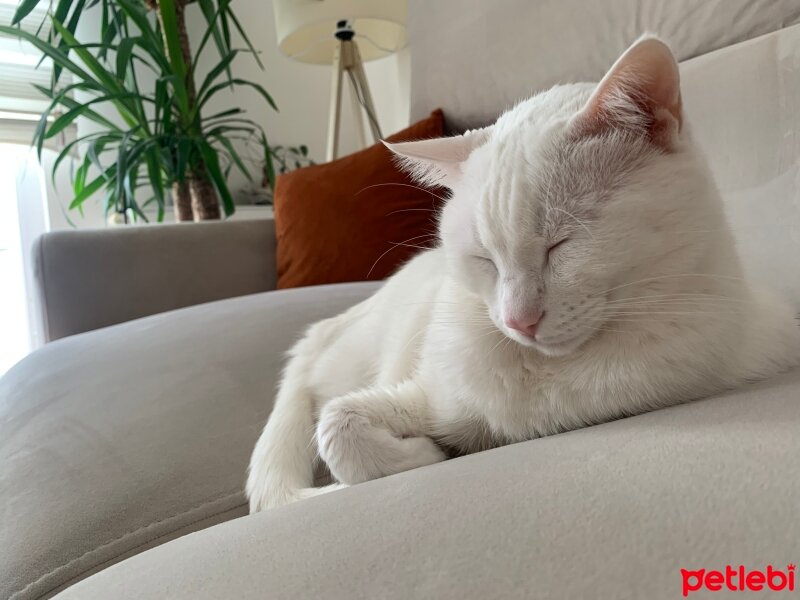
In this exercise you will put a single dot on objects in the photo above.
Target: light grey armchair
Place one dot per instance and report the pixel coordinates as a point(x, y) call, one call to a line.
point(91, 279)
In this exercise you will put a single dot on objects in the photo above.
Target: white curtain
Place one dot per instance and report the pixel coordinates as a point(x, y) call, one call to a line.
point(23, 217)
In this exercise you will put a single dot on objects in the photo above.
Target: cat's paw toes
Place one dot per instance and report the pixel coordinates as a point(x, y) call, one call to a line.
point(263, 492)
point(265, 499)
point(356, 449)
point(419, 452)
point(318, 491)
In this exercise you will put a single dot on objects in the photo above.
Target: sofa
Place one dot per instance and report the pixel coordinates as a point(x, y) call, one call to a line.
point(125, 439)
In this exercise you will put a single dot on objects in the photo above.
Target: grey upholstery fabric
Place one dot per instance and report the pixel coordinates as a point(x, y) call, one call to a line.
point(613, 511)
point(118, 439)
point(91, 279)
point(476, 58)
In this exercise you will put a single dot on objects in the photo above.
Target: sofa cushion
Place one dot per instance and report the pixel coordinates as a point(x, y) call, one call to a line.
point(357, 218)
point(119, 439)
point(612, 511)
point(743, 105)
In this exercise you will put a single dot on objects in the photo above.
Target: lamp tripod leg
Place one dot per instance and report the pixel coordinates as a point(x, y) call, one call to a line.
point(358, 114)
point(347, 58)
point(334, 121)
point(360, 78)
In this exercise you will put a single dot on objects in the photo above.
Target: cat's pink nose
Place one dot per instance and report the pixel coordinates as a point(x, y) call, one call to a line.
point(527, 324)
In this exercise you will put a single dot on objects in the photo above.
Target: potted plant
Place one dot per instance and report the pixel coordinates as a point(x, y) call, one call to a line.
point(283, 160)
point(161, 138)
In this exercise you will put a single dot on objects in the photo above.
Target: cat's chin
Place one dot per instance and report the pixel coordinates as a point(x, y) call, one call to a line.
point(556, 350)
point(553, 350)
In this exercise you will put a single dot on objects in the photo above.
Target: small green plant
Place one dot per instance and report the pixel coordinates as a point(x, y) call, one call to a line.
point(287, 158)
point(284, 159)
point(163, 139)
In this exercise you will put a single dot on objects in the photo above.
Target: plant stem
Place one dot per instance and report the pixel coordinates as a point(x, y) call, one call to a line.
point(204, 202)
point(182, 199)
point(186, 50)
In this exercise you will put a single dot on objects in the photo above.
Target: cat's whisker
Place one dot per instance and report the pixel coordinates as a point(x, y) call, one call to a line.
point(706, 299)
point(488, 333)
point(577, 220)
point(394, 247)
point(589, 328)
point(730, 318)
point(497, 345)
point(664, 318)
point(689, 295)
point(423, 235)
point(651, 314)
point(509, 343)
point(660, 277)
point(466, 318)
point(647, 306)
point(670, 313)
point(450, 307)
point(416, 187)
point(402, 210)
point(434, 302)
point(414, 337)
point(457, 319)
point(444, 310)
point(739, 228)
point(419, 238)
point(401, 244)
point(659, 306)
point(655, 308)
point(476, 326)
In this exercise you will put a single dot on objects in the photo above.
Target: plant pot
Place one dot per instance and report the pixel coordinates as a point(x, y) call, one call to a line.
point(118, 218)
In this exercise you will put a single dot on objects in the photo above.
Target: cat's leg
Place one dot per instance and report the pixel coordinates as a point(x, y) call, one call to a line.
point(376, 432)
point(281, 468)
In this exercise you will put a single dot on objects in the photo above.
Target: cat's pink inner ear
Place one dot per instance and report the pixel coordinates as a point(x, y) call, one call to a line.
point(438, 161)
point(446, 150)
point(641, 90)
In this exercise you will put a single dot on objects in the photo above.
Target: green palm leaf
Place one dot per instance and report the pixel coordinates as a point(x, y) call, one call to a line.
point(149, 135)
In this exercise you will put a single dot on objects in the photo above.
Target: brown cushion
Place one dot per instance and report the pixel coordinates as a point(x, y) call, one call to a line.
point(355, 218)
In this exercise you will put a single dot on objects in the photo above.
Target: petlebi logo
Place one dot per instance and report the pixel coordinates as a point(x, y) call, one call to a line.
point(739, 579)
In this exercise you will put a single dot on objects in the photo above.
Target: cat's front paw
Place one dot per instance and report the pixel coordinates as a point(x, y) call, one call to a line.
point(263, 494)
point(357, 450)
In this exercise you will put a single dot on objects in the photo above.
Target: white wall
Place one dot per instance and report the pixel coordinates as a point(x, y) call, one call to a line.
point(302, 91)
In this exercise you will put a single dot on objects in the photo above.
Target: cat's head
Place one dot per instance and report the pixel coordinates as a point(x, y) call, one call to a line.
point(569, 196)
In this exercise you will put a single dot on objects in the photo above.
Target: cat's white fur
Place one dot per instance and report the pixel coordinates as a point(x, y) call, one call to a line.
point(644, 305)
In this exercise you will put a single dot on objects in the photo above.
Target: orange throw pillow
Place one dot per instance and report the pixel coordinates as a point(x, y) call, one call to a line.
point(356, 218)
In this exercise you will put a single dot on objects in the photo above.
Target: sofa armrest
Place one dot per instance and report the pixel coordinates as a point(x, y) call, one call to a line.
point(93, 278)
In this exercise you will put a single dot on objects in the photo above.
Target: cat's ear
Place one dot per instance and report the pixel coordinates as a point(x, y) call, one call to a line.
point(641, 92)
point(438, 161)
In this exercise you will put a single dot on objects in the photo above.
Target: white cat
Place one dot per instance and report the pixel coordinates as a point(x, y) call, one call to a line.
point(585, 273)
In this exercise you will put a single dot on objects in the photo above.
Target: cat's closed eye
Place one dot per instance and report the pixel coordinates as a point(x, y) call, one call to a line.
point(484, 260)
point(553, 247)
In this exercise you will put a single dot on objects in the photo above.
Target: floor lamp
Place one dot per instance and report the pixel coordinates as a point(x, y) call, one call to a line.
point(344, 33)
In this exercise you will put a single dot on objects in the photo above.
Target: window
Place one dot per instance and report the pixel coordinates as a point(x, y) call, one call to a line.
point(23, 217)
point(23, 214)
point(21, 67)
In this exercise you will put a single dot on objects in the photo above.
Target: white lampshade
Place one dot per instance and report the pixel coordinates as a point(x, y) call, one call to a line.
point(305, 27)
